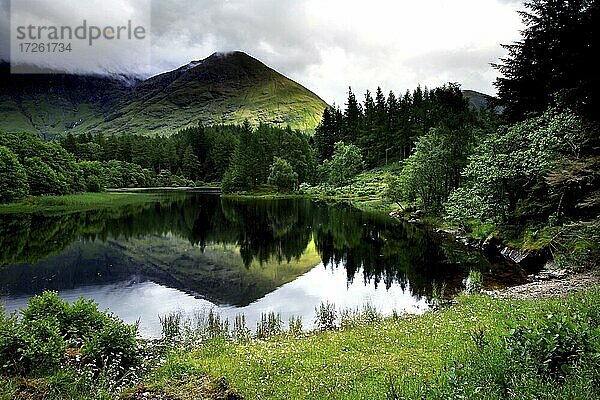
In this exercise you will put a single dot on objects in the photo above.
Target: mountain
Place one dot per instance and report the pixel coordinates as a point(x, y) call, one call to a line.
point(477, 100)
point(223, 88)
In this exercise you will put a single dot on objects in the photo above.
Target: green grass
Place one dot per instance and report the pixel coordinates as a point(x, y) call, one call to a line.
point(464, 351)
point(414, 353)
point(76, 202)
point(368, 186)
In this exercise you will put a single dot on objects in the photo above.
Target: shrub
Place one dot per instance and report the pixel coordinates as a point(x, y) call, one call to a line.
point(114, 344)
point(43, 179)
point(13, 179)
point(11, 343)
point(50, 325)
point(282, 175)
point(47, 304)
point(474, 283)
point(553, 345)
point(45, 346)
point(83, 319)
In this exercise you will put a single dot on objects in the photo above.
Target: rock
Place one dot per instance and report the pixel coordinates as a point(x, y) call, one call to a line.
point(514, 255)
point(551, 265)
point(527, 259)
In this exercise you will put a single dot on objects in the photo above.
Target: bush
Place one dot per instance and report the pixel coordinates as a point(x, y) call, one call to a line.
point(46, 305)
point(553, 345)
point(114, 344)
point(11, 342)
point(13, 179)
point(474, 282)
point(45, 346)
point(50, 325)
point(282, 175)
point(83, 319)
point(42, 179)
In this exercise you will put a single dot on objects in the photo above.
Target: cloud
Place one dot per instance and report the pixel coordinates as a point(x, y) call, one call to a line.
point(329, 45)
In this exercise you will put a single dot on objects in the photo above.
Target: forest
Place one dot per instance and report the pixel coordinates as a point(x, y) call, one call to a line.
point(529, 159)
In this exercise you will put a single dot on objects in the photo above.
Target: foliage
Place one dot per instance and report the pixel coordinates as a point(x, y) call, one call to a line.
point(395, 190)
point(344, 165)
point(42, 179)
point(11, 343)
point(550, 64)
point(326, 316)
point(282, 175)
point(93, 176)
point(577, 245)
point(13, 178)
point(254, 155)
point(113, 343)
point(507, 171)
point(50, 325)
point(170, 325)
point(474, 282)
point(459, 352)
point(553, 345)
point(386, 128)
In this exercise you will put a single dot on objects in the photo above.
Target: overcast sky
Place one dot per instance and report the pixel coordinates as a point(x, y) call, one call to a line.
point(328, 45)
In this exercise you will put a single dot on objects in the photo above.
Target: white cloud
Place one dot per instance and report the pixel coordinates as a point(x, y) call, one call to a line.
point(328, 45)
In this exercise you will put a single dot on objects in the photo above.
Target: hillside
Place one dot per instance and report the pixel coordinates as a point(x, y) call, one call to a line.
point(477, 100)
point(223, 88)
point(49, 104)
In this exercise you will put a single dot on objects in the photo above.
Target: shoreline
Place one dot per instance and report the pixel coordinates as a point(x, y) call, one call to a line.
point(545, 287)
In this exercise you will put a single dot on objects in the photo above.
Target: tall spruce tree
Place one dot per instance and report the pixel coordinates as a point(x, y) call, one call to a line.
point(552, 63)
point(352, 119)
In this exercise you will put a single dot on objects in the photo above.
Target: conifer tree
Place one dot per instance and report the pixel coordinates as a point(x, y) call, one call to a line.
point(552, 63)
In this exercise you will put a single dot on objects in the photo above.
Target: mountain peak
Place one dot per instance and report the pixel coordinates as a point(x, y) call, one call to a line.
point(222, 88)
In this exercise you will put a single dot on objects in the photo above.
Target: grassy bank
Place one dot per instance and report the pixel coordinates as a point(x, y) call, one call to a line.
point(467, 350)
point(482, 348)
point(76, 202)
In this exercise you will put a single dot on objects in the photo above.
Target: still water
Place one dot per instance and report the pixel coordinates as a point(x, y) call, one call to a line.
point(193, 252)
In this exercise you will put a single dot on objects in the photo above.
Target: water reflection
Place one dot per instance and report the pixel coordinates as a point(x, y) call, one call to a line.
point(228, 252)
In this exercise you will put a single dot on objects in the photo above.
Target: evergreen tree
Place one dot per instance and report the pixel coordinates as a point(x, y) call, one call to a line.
point(325, 135)
point(552, 63)
point(190, 166)
point(368, 136)
point(352, 119)
point(394, 134)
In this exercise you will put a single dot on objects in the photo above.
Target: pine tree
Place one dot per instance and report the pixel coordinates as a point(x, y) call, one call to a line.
point(325, 135)
point(352, 119)
point(394, 139)
point(552, 63)
point(368, 139)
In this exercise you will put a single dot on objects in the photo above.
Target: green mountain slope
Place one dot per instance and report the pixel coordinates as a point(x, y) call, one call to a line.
point(223, 88)
point(477, 100)
point(50, 104)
